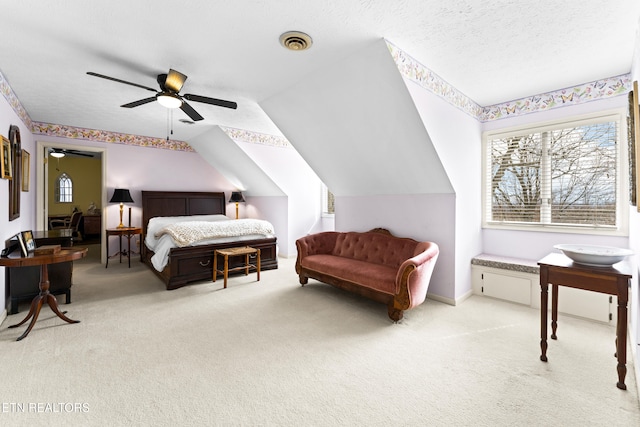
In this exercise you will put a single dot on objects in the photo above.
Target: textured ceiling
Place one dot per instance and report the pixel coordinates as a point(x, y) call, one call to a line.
point(493, 51)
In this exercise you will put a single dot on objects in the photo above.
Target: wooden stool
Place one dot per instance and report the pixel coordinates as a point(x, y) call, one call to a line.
point(226, 253)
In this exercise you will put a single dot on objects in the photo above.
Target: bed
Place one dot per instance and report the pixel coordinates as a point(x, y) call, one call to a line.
point(190, 264)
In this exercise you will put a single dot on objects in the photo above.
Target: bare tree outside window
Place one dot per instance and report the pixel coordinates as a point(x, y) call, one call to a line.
point(565, 176)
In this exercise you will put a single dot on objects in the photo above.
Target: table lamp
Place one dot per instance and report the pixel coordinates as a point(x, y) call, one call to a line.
point(121, 195)
point(236, 197)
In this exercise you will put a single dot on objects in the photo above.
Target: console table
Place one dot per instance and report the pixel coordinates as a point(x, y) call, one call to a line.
point(557, 269)
point(127, 232)
point(15, 260)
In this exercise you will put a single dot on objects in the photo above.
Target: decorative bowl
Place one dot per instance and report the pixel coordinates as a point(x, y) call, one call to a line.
point(593, 255)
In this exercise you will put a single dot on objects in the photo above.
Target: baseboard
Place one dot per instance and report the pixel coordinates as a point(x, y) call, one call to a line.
point(3, 316)
point(451, 301)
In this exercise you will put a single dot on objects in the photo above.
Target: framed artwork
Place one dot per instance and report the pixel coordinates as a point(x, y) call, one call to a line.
point(6, 159)
point(26, 169)
point(634, 138)
point(16, 163)
point(29, 243)
point(632, 149)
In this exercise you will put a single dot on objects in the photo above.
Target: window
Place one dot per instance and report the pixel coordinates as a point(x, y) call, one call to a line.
point(64, 189)
point(328, 201)
point(562, 175)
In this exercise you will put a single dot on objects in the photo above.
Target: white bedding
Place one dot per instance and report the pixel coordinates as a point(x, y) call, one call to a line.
point(161, 243)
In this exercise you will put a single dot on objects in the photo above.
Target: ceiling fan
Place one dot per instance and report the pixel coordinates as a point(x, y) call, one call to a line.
point(61, 152)
point(168, 96)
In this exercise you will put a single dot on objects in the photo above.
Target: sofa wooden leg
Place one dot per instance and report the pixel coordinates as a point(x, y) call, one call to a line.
point(394, 313)
point(303, 280)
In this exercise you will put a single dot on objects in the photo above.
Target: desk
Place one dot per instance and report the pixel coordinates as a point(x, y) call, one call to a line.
point(127, 232)
point(226, 253)
point(43, 261)
point(62, 237)
point(22, 283)
point(557, 269)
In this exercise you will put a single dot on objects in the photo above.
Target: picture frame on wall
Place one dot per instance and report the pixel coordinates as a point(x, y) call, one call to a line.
point(15, 148)
point(26, 157)
point(634, 138)
point(6, 159)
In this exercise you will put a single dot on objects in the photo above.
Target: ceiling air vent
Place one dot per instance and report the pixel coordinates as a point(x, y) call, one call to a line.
point(295, 40)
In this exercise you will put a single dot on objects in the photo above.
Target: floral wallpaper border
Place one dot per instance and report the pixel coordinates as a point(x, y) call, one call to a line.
point(15, 103)
point(73, 132)
point(427, 79)
point(600, 89)
point(256, 138)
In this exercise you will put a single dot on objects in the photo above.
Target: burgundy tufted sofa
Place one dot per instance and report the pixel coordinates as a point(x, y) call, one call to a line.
point(375, 264)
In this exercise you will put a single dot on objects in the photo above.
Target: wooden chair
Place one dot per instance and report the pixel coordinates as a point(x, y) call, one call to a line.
point(72, 224)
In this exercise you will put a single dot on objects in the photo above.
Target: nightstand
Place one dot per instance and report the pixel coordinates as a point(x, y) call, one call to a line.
point(127, 232)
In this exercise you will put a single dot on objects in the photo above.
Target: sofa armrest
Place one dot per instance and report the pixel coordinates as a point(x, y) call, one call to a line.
point(314, 244)
point(414, 275)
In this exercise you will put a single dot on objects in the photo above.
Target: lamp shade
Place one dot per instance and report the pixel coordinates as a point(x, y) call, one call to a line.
point(121, 195)
point(236, 197)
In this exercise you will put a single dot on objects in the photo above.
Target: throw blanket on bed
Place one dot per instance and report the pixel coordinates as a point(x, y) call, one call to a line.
point(187, 233)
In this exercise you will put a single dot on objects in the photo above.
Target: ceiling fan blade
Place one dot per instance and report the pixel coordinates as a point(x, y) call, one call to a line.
point(174, 81)
point(120, 81)
point(140, 102)
point(78, 153)
point(191, 112)
point(212, 101)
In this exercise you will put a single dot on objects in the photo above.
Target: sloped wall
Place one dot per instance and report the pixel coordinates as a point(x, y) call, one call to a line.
point(277, 183)
point(357, 126)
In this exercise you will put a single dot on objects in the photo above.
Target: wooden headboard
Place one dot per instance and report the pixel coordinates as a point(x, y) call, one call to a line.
point(177, 203)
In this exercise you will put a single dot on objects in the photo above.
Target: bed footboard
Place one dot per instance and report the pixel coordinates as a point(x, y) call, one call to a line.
point(194, 264)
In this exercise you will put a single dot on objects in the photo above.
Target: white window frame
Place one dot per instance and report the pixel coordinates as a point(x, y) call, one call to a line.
point(622, 170)
point(59, 190)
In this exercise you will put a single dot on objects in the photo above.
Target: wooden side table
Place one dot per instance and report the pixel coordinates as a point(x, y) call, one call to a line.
point(557, 269)
point(127, 232)
point(43, 261)
point(231, 252)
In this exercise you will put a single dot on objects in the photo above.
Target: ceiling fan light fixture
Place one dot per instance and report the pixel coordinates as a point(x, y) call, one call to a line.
point(169, 100)
point(295, 40)
point(57, 154)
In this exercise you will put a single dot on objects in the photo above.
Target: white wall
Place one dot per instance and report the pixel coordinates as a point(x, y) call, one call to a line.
point(456, 138)
point(298, 181)
point(355, 124)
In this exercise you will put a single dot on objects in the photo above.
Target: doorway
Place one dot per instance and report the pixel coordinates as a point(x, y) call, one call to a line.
point(45, 184)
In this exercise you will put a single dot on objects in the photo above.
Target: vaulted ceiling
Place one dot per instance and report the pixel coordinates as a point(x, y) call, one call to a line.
point(492, 51)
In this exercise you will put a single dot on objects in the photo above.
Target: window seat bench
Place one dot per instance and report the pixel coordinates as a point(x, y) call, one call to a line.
point(518, 280)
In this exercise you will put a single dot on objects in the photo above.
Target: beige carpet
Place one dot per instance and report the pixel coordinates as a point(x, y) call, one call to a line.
point(273, 353)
